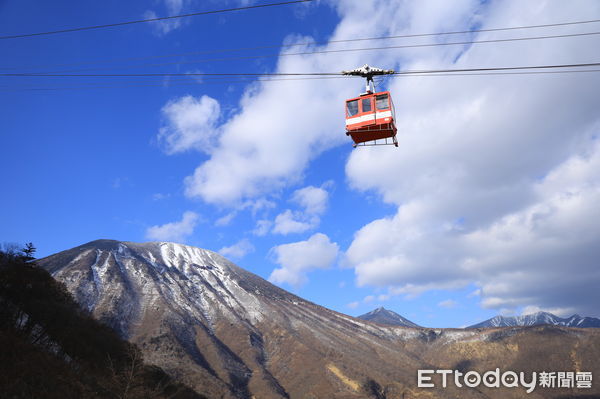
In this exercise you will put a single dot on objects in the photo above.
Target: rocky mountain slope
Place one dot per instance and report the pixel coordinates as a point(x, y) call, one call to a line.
point(382, 315)
point(537, 319)
point(230, 334)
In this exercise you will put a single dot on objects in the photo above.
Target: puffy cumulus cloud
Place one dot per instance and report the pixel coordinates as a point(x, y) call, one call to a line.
point(174, 231)
point(293, 222)
point(298, 258)
point(261, 151)
point(189, 123)
point(238, 250)
point(312, 199)
point(496, 178)
point(544, 256)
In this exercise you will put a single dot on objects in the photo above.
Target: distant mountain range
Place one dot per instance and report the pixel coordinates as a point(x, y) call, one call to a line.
point(388, 317)
point(539, 318)
point(382, 315)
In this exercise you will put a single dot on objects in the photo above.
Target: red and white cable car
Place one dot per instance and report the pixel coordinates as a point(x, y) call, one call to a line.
point(370, 118)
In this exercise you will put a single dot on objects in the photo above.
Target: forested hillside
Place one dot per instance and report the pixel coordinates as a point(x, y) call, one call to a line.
point(53, 349)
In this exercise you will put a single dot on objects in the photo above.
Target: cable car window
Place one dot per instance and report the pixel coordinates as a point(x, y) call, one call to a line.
point(352, 107)
point(382, 101)
point(366, 105)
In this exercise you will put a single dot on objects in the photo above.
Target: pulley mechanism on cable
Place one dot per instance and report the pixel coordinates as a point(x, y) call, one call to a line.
point(370, 118)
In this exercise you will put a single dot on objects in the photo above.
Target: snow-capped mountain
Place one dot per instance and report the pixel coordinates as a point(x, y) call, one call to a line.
point(382, 315)
point(228, 333)
point(539, 318)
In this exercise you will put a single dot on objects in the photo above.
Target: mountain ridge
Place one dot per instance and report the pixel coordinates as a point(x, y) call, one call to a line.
point(228, 333)
point(539, 318)
point(152, 293)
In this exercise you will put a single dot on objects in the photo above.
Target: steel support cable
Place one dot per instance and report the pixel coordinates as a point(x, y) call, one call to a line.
point(83, 28)
point(320, 44)
point(182, 82)
point(335, 51)
point(406, 72)
point(189, 82)
point(530, 67)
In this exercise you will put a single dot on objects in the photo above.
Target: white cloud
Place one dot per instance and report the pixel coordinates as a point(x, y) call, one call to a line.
point(174, 231)
point(298, 258)
point(312, 199)
point(238, 250)
point(497, 178)
point(190, 123)
point(294, 222)
point(353, 305)
point(448, 304)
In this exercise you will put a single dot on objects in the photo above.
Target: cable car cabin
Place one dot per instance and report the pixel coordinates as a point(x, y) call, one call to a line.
point(369, 118)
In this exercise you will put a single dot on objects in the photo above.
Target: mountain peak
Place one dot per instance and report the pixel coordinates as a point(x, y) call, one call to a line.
point(385, 316)
point(380, 309)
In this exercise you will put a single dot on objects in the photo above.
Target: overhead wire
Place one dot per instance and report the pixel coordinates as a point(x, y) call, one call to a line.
point(219, 81)
point(190, 82)
point(340, 50)
point(257, 74)
point(183, 82)
point(489, 69)
point(266, 77)
point(83, 28)
point(332, 52)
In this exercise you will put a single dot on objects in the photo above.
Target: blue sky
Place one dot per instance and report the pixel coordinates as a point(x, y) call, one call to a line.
point(487, 207)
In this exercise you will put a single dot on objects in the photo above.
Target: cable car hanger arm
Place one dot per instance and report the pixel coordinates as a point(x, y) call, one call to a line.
point(368, 72)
